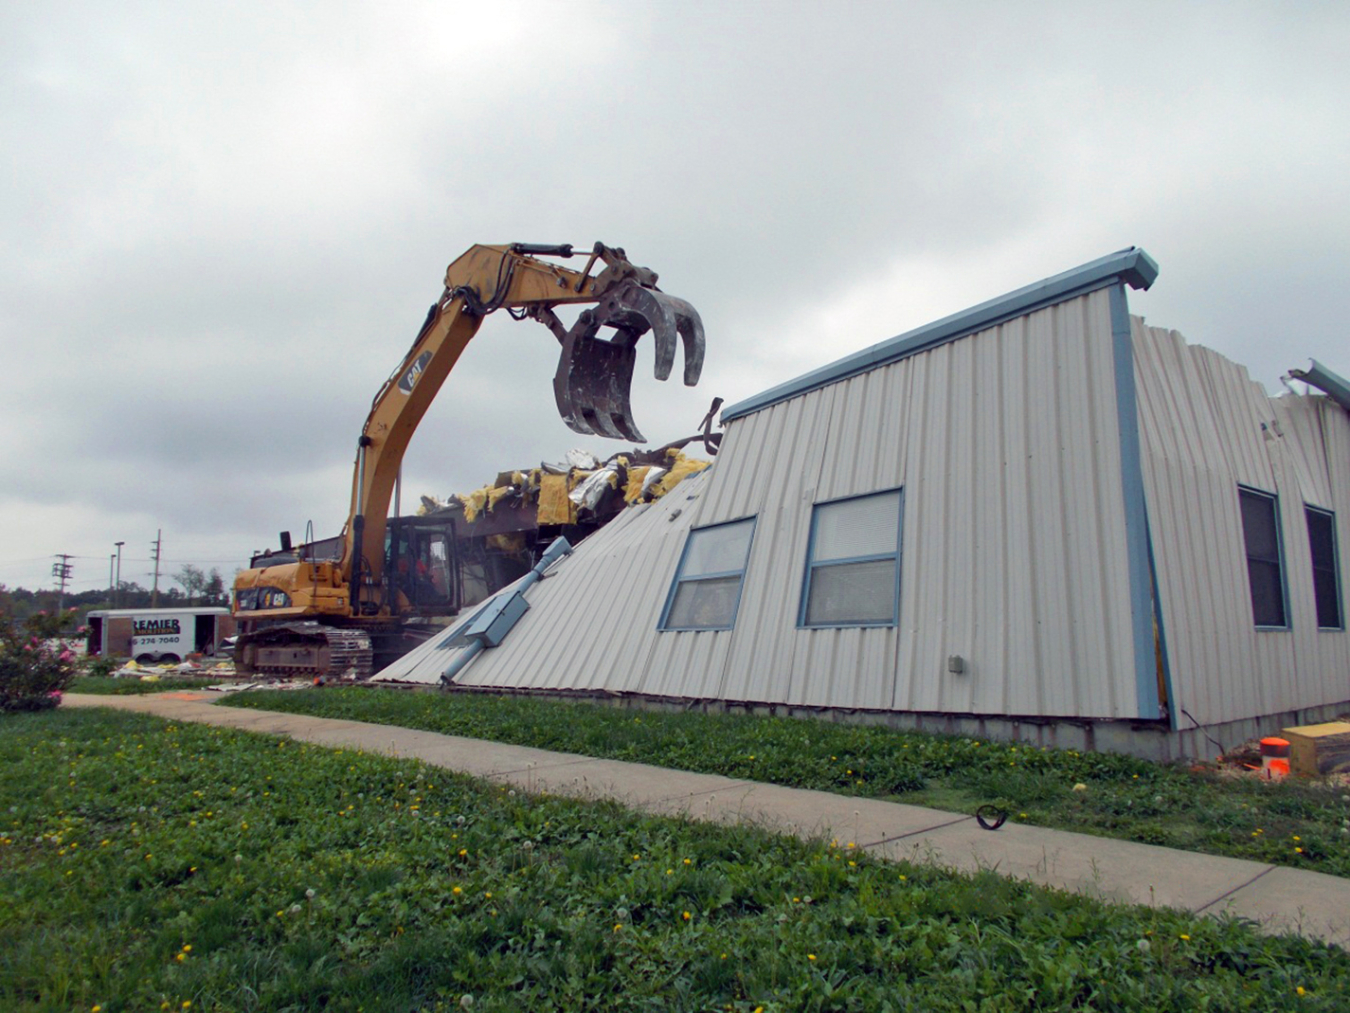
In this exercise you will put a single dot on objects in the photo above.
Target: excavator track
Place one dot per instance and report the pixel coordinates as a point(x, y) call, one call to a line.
point(305, 650)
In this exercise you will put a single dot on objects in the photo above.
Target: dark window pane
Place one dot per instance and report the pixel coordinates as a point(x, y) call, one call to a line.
point(1258, 527)
point(1326, 577)
point(1267, 594)
point(1260, 532)
point(704, 604)
point(852, 593)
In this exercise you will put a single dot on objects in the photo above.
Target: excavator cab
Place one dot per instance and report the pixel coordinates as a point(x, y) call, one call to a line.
point(420, 569)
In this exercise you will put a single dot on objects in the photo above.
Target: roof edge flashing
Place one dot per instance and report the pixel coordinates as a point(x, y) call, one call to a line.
point(1131, 266)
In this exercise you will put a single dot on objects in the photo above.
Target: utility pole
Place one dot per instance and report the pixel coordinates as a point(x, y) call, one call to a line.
point(112, 591)
point(61, 571)
point(117, 592)
point(154, 591)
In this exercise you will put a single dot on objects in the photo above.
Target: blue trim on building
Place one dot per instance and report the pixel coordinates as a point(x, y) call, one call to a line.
point(1130, 266)
point(1137, 548)
point(1336, 387)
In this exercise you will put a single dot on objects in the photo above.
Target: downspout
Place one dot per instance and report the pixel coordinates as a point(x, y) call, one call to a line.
point(499, 617)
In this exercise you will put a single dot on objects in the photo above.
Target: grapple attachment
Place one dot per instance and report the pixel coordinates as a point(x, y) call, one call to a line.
point(595, 375)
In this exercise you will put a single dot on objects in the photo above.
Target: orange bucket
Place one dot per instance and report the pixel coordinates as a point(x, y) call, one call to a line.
point(1274, 758)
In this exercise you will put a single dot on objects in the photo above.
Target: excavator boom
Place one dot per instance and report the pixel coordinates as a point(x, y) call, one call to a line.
point(591, 386)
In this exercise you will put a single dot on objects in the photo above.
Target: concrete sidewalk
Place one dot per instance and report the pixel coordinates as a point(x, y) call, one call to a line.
point(1279, 899)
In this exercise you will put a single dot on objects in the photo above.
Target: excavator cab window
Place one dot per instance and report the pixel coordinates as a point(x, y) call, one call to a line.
point(418, 566)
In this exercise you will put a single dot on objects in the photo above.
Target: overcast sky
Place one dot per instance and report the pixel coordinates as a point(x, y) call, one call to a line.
point(221, 225)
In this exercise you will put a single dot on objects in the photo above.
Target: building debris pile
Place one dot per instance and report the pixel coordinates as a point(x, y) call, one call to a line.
point(503, 527)
point(579, 489)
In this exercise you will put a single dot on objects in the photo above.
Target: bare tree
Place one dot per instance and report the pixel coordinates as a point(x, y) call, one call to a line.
point(192, 580)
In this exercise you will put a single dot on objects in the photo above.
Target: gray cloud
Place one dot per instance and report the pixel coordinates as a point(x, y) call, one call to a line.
point(222, 229)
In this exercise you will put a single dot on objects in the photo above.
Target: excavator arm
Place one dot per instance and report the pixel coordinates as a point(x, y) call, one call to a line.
point(591, 386)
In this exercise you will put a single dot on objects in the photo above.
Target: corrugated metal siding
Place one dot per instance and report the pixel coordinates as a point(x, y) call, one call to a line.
point(1201, 419)
point(1006, 444)
point(591, 626)
point(1014, 555)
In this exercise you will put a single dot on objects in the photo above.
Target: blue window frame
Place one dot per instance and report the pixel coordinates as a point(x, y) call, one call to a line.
point(1325, 568)
point(707, 587)
point(1265, 560)
point(853, 562)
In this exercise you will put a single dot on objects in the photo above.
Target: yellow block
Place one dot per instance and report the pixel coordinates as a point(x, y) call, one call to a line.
point(554, 506)
point(1319, 749)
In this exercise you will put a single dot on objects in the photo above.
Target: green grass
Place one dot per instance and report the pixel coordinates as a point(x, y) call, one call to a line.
point(144, 866)
point(134, 687)
point(1296, 823)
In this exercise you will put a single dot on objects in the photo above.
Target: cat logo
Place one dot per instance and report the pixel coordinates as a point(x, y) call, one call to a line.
point(409, 379)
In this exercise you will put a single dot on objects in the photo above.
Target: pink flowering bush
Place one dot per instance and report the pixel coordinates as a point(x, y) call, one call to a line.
point(36, 664)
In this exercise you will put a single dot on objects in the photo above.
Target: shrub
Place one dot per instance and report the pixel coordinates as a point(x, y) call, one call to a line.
point(36, 661)
point(102, 666)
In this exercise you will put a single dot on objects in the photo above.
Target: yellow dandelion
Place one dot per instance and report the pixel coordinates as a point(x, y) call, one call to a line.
point(687, 916)
point(1185, 937)
point(456, 891)
point(810, 956)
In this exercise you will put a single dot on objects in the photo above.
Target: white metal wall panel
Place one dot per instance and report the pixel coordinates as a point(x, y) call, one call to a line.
point(1005, 443)
point(1302, 440)
point(592, 623)
point(1334, 646)
point(1201, 420)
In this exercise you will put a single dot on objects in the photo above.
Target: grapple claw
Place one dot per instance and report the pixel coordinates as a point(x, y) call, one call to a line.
point(595, 376)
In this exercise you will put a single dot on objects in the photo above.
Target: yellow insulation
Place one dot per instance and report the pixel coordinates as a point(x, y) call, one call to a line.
point(512, 541)
point(496, 495)
point(633, 491)
point(681, 467)
point(474, 503)
point(554, 506)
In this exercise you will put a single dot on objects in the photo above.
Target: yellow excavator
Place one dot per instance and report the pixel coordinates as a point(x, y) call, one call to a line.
point(344, 608)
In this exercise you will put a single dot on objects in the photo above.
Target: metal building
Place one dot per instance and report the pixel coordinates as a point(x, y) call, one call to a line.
point(1039, 518)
